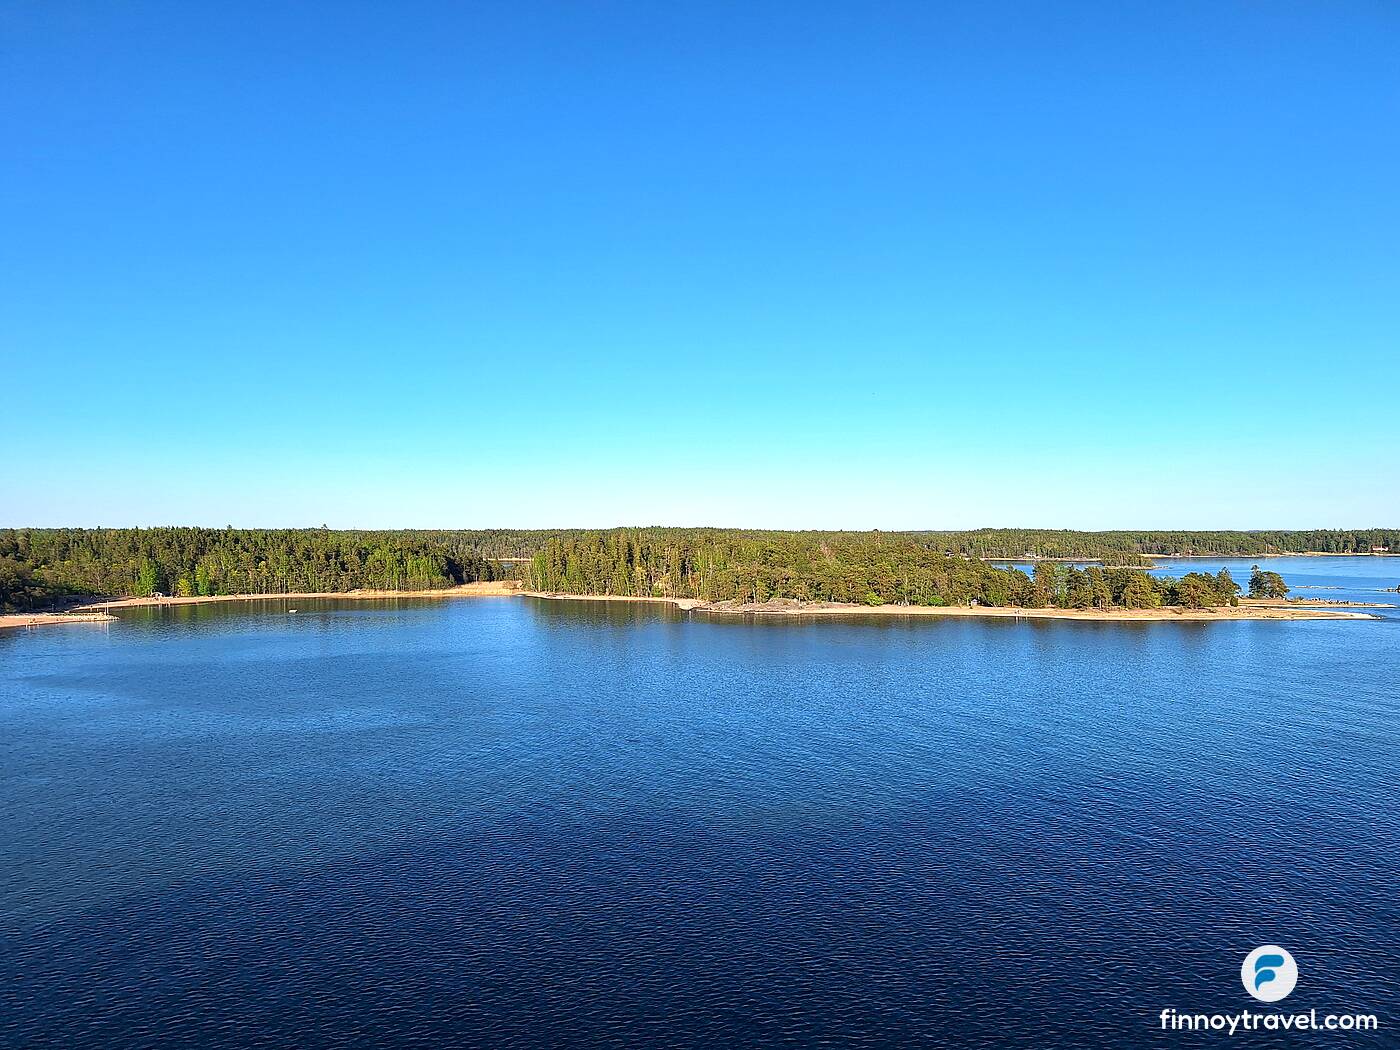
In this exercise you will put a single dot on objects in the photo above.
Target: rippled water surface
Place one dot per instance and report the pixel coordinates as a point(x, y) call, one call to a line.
point(518, 823)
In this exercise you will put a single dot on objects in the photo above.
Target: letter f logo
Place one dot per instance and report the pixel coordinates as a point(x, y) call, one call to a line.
point(1269, 973)
point(1266, 968)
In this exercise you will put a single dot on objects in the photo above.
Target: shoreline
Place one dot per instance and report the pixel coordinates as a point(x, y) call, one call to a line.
point(787, 607)
point(99, 612)
point(494, 589)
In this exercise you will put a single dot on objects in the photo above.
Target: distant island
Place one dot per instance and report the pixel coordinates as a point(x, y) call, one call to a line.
point(1081, 573)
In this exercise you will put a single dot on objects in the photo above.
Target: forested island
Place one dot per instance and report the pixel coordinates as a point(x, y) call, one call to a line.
point(861, 569)
point(46, 568)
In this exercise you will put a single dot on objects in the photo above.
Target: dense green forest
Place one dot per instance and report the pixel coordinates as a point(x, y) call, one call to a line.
point(40, 567)
point(1111, 548)
point(869, 568)
point(44, 566)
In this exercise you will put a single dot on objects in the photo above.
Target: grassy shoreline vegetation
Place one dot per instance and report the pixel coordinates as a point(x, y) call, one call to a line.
point(48, 568)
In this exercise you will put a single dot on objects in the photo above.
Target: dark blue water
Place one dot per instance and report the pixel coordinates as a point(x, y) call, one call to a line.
point(519, 823)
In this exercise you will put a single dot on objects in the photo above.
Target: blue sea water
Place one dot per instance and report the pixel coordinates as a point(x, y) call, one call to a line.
point(510, 822)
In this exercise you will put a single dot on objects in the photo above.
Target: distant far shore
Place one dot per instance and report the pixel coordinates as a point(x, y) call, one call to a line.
point(1280, 554)
point(1027, 560)
point(1248, 609)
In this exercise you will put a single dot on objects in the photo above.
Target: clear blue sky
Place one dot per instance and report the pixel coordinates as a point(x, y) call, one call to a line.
point(807, 264)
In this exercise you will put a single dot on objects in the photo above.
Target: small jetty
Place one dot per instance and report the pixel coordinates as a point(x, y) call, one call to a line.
point(46, 619)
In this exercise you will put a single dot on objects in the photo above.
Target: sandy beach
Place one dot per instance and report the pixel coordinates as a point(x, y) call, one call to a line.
point(99, 612)
point(497, 589)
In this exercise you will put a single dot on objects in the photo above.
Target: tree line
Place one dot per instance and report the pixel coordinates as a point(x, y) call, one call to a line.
point(867, 568)
point(40, 567)
point(1111, 548)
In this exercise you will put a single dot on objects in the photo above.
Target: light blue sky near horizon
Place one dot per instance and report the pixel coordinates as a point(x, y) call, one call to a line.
point(891, 265)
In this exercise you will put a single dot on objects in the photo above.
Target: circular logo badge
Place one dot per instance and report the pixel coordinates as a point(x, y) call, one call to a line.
point(1269, 973)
